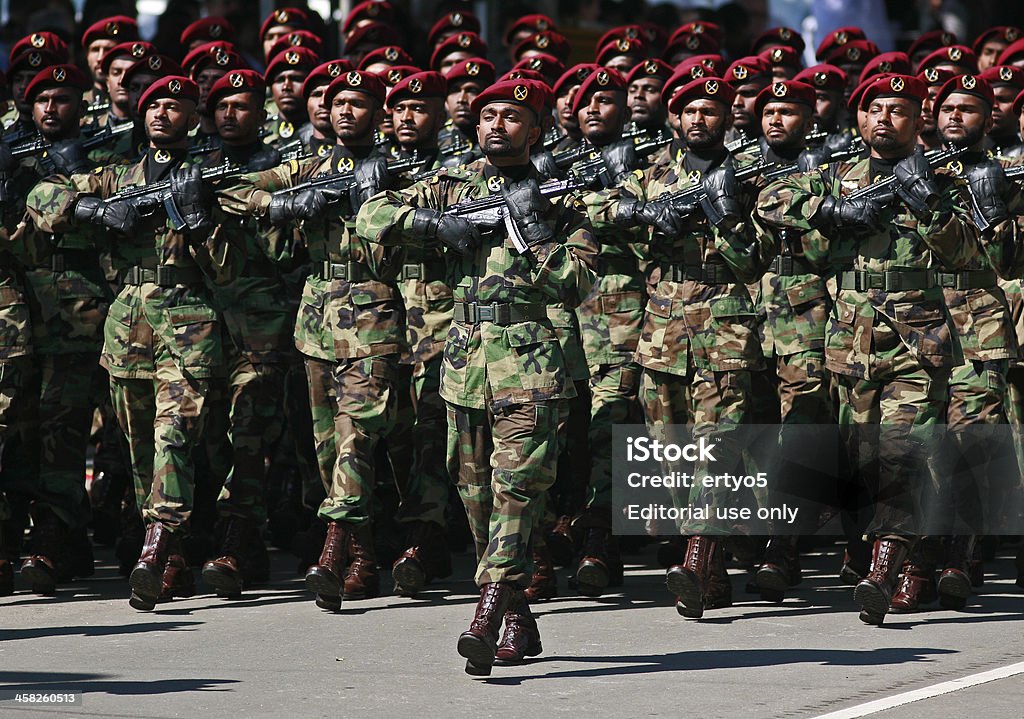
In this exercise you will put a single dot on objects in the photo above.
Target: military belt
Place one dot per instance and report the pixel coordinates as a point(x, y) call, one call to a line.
point(77, 260)
point(350, 271)
point(499, 313)
point(889, 281)
point(162, 275)
point(617, 266)
point(966, 279)
point(422, 271)
point(788, 265)
point(710, 273)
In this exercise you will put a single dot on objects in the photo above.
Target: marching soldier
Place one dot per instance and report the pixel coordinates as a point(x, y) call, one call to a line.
point(457, 141)
point(349, 326)
point(889, 341)
point(504, 379)
point(97, 40)
point(318, 136)
point(162, 335)
point(285, 74)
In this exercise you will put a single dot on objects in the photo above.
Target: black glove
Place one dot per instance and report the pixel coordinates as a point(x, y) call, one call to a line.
point(847, 212)
point(69, 157)
point(454, 232)
point(263, 159)
point(371, 176)
point(989, 186)
point(306, 204)
point(191, 196)
point(812, 158)
point(666, 220)
point(619, 160)
point(545, 164)
point(526, 206)
point(915, 182)
point(122, 216)
point(721, 205)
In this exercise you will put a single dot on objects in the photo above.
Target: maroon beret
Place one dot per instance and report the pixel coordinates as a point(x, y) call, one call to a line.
point(389, 54)
point(463, 42)
point(375, 33)
point(693, 43)
point(546, 41)
point(222, 60)
point(65, 75)
point(34, 60)
point(855, 51)
point(888, 62)
point(575, 75)
point(297, 38)
point(1004, 75)
point(936, 76)
point(286, 17)
point(528, 93)
point(547, 65)
point(823, 77)
point(931, 41)
point(419, 85)
point(158, 65)
point(235, 82)
point(853, 104)
point(780, 36)
point(134, 51)
point(1018, 103)
point(208, 29)
point(47, 41)
point(968, 85)
point(1006, 34)
point(699, 27)
point(298, 58)
point(120, 28)
point(622, 46)
point(524, 75)
point(654, 67)
point(705, 88)
point(209, 48)
point(904, 86)
point(628, 32)
point(782, 55)
point(748, 69)
point(453, 22)
point(171, 86)
point(358, 81)
point(685, 73)
point(786, 91)
point(838, 38)
point(323, 74)
point(603, 79)
point(396, 73)
point(1014, 51)
point(957, 55)
point(533, 23)
point(475, 68)
point(374, 10)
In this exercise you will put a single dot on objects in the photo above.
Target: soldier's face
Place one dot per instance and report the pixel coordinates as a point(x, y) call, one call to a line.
point(94, 56)
point(137, 84)
point(963, 119)
point(354, 115)
point(602, 116)
point(990, 52)
point(563, 108)
point(451, 60)
point(744, 108)
point(703, 123)
point(274, 34)
point(1020, 124)
point(56, 112)
point(417, 122)
point(319, 112)
point(205, 81)
point(785, 124)
point(1003, 119)
point(621, 64)
point(826, 108)
point(507, 131)
point(286, 90)
point(239, 118)
point(118, 95)
point(893, 124)
point(458, 102)
point(928, 125)
point(168, 121)
point(644, 100)
point(20, 81)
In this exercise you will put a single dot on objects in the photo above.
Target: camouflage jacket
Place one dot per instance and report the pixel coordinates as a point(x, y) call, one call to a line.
point(257, 315)
point(875, 331)
point(486, 363)
point(691, 323)
point(455, 147)
point(284, 134)
point(148, 325)
point(338, 319)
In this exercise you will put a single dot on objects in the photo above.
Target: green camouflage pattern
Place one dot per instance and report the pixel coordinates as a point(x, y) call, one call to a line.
point(337, 319)
point(878, 333)
point(505, 461)
point(614, 392)
point(487, 363)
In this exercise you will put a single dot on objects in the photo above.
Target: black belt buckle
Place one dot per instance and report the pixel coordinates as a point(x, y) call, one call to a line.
point(166, 276)
point(784, 265)
point(412, 271)
point(485, 313)
point(875, 281)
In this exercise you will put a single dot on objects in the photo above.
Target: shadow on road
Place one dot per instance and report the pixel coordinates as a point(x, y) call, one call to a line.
point(10, 635)
point(30, 682)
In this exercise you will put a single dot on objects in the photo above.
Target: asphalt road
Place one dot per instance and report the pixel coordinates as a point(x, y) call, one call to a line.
point(274, 654)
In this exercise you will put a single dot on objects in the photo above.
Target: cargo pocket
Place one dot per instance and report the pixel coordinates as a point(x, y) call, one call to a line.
point(625, 313)
point(377, 313)
point(117, 333)
point(733, 341)
point(14, 322)
point(989, 315)
point(310, 321)
point(83, 308)
point(810, 302)
point(536, 356)
point(924, 331)
point(848, 339)
point(197, 344)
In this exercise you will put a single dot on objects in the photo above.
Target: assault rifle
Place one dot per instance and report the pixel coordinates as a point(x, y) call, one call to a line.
point(148, 197)
point(41, 144)
point(344, 181)
point(584, 151)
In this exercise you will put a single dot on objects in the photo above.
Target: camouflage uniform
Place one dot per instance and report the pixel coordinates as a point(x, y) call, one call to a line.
point(892, 345)
point(699, 343)
point(162, 343)
point(506, 380)
point(349, 329)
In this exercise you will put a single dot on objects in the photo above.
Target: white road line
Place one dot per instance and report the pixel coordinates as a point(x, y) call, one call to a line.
point(917, 695)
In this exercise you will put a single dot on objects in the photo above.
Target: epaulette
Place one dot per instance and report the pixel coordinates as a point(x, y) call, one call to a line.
point(456, 173)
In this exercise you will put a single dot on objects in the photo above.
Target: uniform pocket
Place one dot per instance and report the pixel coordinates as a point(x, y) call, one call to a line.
point(923, 330)
point(625, 313)
point(536, 356)
point(14, 320)
point(196, 336)
point(731, 340)
point(848, 338)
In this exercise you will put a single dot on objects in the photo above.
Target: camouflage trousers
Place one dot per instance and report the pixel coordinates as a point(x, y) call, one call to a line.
point(163, 421)
point(505, 460)
point(68, 392)
point(354, 405)
point(17, 474)
point(415, 447)
point(242, 427)
point(715, 403)
point(614, 391)
point(888, 427)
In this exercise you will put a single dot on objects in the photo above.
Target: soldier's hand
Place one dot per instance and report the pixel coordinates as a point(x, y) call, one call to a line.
point(849, 212)
point(527, 206)
point(191, 196)
point(619, 160)
point(263, 159)
point(371, 176)
point(460, 235)
point(69, 157)
point(666, 220)
point(122, 216)
point(989, 186)
point(544, 162)
point(308, 204)
point(915, 182)
point(721, 205)
point(812, 158)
